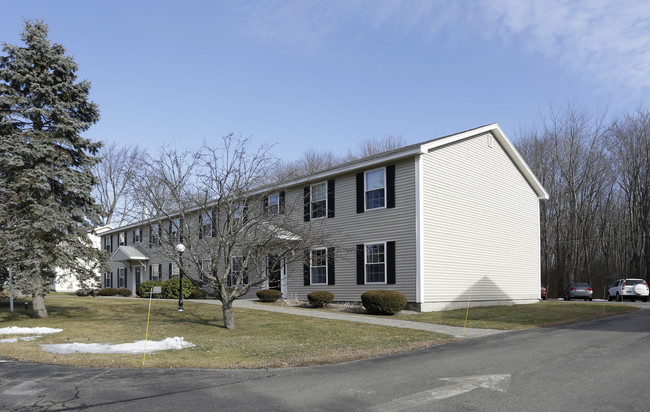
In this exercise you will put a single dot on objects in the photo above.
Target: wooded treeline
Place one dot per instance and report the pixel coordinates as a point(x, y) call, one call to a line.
point(595, 226)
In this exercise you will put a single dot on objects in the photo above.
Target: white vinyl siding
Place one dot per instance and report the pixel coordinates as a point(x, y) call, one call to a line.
point(480, 225)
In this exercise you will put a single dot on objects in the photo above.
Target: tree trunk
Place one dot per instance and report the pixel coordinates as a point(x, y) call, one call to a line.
point(38, 302)
point(228, 315)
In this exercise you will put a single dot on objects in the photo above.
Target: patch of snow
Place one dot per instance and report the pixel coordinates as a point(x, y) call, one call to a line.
point(14, 330)
point(131, 348)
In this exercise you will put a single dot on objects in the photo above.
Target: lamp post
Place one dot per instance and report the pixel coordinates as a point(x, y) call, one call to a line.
point(180, 248)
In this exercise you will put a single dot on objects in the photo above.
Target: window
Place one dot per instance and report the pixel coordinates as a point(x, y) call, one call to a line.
point(108, 243)
point(108, 280)
point(206, 225)
point(154, 272)
point(318, 266)
point(376, 263)
point(237, 271)
point(273, 204)
point(155, 234)
point(318, 200)
point(121, 278)
point(375, 189)
point(206, 266)
point(174, 270)
point(122, 239)
point(175, 230)
point(137, 235)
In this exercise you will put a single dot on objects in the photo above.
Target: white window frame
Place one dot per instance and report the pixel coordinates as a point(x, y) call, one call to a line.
point(155, 234)
point(273, 207)
point(176, 271)
point(121, 239)
point(155, 272)
point(205, 225)
point(312, 266)
point(366, 262)
point(138, 235)
point(204, 263)
point(121, 278)
point(232, 276)
point(107, 244)
point(107, 280)
point(175, 226)
point(312, 201)
point(366, 190)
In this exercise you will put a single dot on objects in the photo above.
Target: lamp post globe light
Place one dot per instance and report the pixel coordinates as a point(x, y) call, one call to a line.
point(180, 248)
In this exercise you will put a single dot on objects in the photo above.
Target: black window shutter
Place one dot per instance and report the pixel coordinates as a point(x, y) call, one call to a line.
point(150, 272)
point(360, 193)
point(134, 236)
point(361, 265)
point(244, 271)
point(111, 251)
point(306, 269)
point(390, 263)
point(111, 285)
point(265, 205)
point(200, 225)
point(307, 200)
point(214, 222)
point(330, 198)
point(330, 266)
point(170, 269)
point(150, 236)
point(390, 186)
point(160, 271)
point(282, 202)
point(126, 278)
point(126, 235)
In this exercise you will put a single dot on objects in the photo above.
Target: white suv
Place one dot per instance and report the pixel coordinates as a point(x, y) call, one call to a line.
point(628, 289)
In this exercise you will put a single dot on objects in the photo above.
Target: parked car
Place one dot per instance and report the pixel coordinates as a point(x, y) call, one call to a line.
point(543, 293)
point(628, 289)
point(578, 291)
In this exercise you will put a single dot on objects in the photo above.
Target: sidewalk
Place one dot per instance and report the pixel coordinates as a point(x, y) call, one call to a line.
point(374, 320)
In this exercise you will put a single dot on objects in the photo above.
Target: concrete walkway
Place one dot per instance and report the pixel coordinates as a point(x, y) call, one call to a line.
point(374, 320)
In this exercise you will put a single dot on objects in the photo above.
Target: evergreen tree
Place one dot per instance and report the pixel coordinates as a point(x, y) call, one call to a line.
point(47, 209)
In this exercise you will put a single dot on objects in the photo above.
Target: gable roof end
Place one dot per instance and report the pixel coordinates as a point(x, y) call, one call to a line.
point(507, 145)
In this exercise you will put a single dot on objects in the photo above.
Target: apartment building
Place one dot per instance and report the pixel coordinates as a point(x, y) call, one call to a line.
point(446, 221)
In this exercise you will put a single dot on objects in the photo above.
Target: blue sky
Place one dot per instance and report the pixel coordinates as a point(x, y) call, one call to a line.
point(327, 74)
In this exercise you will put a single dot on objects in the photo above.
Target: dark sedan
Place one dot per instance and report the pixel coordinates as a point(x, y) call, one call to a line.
point(578, 291)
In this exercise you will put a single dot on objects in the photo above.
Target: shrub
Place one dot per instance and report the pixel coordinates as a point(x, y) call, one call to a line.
point(320, 298)
point(197, 294)
point(170, 288)
point(383, 302)
point(269, 295)
point(107, 292)
point(86, 292)
point(146, 286)
point(124, 292)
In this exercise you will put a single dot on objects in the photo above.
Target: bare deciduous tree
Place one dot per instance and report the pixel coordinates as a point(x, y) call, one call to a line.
point(236, 230)
point(114, 175)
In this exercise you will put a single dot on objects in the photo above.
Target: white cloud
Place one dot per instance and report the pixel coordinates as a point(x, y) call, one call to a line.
point(606, 40)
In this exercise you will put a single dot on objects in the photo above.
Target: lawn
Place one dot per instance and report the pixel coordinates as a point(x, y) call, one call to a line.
point(262, 339)
point(521, 316)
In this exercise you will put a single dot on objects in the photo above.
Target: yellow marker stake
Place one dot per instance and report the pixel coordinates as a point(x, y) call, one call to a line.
point(467, 314)
point(147, 332)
